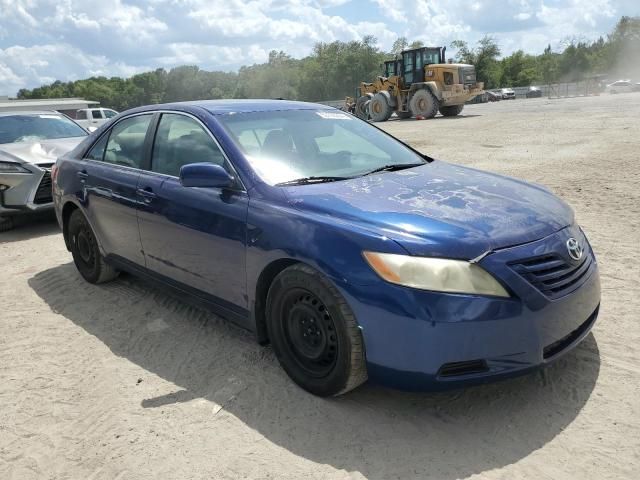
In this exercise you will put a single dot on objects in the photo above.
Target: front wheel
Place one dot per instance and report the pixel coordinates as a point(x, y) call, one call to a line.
point(86, 252)
point(314, 333)
point(362, 106)
point(379, 108)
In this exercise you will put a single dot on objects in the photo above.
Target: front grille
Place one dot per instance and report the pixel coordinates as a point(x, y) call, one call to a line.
point(468, 75)
point(552, 274)
point(44, 193)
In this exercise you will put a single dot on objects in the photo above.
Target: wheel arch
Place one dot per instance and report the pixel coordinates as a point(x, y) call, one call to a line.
point(431, 86)
point(265, 279)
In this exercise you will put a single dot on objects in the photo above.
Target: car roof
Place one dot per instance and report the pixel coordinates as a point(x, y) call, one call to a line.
point(222, 107)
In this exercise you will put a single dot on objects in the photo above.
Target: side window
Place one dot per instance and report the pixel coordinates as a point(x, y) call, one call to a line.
point(126, 142)
point(97, 113)
point(448, 78)
point(97, 151)
point(81, 115)
point(181, 140)
point(110, 113)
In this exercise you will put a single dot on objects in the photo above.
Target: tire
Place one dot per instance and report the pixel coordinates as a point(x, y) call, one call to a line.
point(451, 111)
point(314, 332)
point(85, 251)
point(379, 108)
point(403, 115)
point(362, 107)
point(424, 103)
point(6, 224)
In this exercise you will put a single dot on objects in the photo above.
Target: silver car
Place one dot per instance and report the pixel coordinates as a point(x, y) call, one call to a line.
point(30, 143)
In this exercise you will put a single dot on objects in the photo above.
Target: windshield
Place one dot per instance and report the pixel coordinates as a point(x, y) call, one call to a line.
point(283, 146)
point(34, 127)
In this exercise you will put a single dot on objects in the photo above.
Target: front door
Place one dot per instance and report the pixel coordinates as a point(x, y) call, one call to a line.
point(196, 236)
point(110, 173)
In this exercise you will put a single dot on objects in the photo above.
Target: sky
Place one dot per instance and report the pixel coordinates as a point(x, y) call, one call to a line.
point(46, 40)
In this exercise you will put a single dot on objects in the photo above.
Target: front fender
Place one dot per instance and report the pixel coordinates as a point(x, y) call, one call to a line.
point(330, 245)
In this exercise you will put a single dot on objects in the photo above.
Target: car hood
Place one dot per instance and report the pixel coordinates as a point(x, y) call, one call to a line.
point(440, 209)
point(39, 152)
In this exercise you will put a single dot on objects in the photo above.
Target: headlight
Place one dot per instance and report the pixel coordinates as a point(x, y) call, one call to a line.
point(437, 274)
point(10, 167)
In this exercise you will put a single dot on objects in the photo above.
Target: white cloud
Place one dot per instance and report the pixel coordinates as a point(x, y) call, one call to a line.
point(42, 40)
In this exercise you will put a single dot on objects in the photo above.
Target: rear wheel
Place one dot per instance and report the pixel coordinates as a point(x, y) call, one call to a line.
point(379, 108)
point(86, 253)
point(451, 111)
point(423, 103)
point(314, 333)
point(362, 106)
point(6, 224)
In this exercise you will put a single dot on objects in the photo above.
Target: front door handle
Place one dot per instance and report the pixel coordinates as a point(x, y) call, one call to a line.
point(146, 193)
point(82, 175)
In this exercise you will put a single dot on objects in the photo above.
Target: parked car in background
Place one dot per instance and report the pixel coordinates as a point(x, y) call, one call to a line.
point(92, 118)
point(621, 86)
point(534, 92)
point(30, 142)
point(493, 96)
point(352, 253)
point(508, 94)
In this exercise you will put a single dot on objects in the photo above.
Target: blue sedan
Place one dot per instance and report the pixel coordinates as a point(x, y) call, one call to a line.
point(355, 256)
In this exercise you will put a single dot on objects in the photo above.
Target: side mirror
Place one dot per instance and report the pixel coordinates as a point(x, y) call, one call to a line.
point(205, 175)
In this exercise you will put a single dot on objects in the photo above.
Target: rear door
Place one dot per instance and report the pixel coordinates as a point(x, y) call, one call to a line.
point(196, 236)
point(110, 174)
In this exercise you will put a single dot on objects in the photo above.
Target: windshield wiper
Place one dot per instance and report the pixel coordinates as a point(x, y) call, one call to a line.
point(393, 167)
point(308, 180)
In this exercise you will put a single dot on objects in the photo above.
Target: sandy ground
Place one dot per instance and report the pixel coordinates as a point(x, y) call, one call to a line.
point(121, 381)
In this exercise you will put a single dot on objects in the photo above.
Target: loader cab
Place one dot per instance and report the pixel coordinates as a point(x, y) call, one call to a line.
point(414, 61)
point(393, 68)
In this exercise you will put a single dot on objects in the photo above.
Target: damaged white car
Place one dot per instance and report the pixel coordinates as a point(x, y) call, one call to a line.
point(30, 143)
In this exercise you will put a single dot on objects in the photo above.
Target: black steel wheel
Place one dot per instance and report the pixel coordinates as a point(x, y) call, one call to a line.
point(314, 333)
point(86, 252)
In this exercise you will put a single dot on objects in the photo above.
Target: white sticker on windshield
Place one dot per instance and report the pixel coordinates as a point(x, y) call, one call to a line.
point(333, 115)
point(48, 116)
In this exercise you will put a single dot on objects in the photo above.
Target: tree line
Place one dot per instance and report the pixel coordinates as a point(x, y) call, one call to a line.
point(334, 70)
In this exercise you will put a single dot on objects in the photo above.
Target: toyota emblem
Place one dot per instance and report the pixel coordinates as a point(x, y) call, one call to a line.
point(574, 248)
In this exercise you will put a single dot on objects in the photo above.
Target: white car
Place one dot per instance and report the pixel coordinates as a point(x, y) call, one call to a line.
point(30, 143)
point(92, 118)
point(508, 94)
point(621, 86)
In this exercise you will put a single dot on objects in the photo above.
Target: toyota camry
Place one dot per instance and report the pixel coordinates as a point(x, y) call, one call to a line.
point(355, 256)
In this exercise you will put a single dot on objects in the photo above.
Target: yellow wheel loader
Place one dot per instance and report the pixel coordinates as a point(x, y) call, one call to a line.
point(418, 83)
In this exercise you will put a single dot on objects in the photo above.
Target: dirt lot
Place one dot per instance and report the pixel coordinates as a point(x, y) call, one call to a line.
point(121, 381)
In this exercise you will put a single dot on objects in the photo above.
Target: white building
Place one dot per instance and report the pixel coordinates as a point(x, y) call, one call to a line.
point(63, 105)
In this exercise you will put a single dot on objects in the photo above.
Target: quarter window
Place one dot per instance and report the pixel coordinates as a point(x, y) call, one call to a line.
point(81, 115)
point(181, 140)
point(126, 142)
point(97, 151)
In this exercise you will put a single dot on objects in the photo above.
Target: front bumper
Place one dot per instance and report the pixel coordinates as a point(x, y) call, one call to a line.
point(418, 340)
point(24, 193)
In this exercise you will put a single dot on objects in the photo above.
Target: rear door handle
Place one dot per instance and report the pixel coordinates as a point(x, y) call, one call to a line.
point(146, 193)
